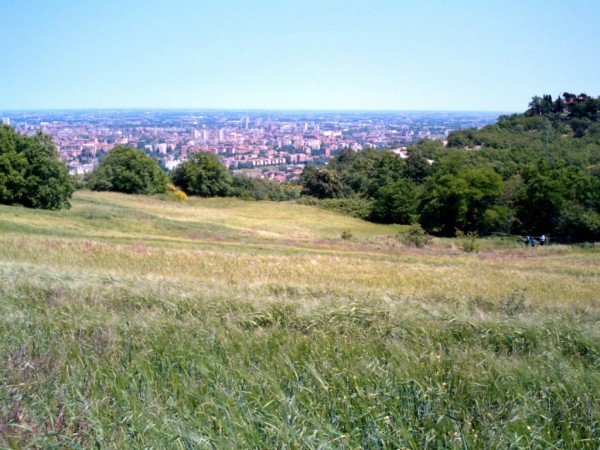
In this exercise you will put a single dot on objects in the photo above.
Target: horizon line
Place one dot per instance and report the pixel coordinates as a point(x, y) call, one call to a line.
point(257, 110)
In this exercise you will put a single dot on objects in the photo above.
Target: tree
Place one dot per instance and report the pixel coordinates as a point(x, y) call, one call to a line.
point(560, 200)
point(395, 202)
point(31, 173)
point(535, 106)
point(249, 188)
point(365, 172)
point(354, 168)
point(322, 183)
point(387, 168)
point(417, 167)
point(467, 200)
point(204, 175)
point(128, 170)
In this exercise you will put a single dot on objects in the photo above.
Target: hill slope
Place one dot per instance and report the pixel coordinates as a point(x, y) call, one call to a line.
point(129, 322)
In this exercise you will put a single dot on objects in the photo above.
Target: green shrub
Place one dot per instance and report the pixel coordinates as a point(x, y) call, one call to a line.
point(130, 171)
point(309, 201)
point(204, 175)
point(354, 206)
point(248, 188)
point(31, 173)
point(322, 183)
point(415, 236)
point(469, 241)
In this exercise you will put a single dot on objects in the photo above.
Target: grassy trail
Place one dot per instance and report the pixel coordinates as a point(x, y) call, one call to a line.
point(130, 322)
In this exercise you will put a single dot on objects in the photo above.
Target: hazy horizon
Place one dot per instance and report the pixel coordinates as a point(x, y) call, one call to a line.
point(260, 110)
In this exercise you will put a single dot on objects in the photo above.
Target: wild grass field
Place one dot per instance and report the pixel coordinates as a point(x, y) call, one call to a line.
point(133, 322)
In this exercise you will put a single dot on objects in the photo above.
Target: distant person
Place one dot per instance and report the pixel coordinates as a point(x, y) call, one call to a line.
point(527, 240)
point(533, 242)
point(543, 239)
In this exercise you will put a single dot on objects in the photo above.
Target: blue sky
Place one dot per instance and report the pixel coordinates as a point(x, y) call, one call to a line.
point(486, 55)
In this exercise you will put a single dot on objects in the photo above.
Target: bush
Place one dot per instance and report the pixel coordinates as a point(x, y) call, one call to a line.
point(248, 188)
point(346, 235)
point(395, 202)
point(469, 241)
point(354, 206)
point(415, 236)
point(204, 175)
point(309, 201)
point(130, 171)
point(322, 183)
point(31, 173)
point(176, 194)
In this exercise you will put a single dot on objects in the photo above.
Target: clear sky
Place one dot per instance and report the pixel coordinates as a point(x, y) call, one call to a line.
point(486, 55)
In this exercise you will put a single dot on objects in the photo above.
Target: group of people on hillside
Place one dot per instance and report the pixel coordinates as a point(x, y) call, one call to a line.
point(533, 242)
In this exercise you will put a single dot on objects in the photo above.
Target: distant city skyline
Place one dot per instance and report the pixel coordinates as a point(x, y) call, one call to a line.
point(280, 143)
point(251, 110)
point(328, 55)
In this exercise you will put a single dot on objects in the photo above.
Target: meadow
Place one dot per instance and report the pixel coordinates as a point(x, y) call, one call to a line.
point(136, 322)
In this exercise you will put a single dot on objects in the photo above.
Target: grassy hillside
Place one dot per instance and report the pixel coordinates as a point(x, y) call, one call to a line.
point(129, 322)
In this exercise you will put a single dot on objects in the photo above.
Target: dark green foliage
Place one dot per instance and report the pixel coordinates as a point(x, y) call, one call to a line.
point(415, 236)
point(204, 175)
point(595, 171)
point(546, 158)
point(468, 200)
point(428, 149)
point(395, 202)
point(578, 112)
point(462, 138)
point(355, 168)
point(469, 241)
point(560, 198)
point(365, 172)
point(387, 168)
point(322, 183)
point(378, 185)
point(128, 170)
point(248, 188)
point(346, 235)
point(354, 206)
point(31, 173)
point(417, 167)
point(536, 172)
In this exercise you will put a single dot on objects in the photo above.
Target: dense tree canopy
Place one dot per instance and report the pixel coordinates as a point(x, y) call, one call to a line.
point(561, 198)
point(531, 173)
point(248, 188)
point(395, 202)
point(31, 173)
point(204, 175)
point(468, 201)
point(322, 183)
point(128, 170)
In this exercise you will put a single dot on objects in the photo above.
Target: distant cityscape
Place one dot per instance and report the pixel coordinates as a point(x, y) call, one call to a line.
point(268, 144)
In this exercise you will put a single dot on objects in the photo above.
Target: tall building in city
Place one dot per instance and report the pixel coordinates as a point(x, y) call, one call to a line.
point(5, 120)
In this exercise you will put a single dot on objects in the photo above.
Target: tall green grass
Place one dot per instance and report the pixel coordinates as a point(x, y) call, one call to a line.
point(172, 341)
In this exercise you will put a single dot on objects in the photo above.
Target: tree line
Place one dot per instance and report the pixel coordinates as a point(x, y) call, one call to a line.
point(530, 173)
